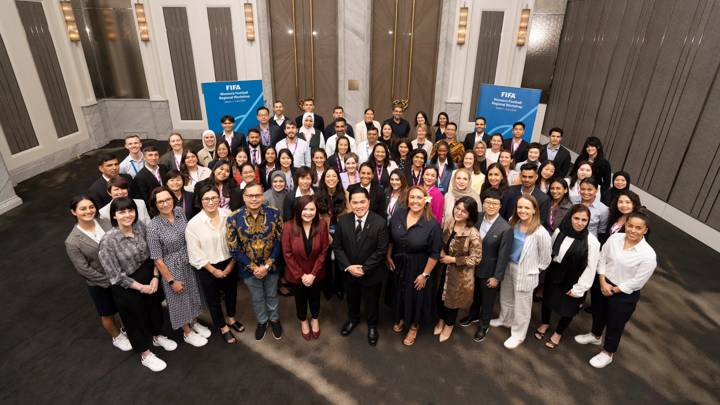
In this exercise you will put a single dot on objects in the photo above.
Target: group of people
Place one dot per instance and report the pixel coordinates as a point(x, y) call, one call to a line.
point(299, 208)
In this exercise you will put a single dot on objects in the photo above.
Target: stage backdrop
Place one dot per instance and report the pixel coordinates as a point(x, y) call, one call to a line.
point(502, 106)
point(239, 99)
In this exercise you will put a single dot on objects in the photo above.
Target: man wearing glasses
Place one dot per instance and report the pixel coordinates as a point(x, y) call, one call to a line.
point(253, 234)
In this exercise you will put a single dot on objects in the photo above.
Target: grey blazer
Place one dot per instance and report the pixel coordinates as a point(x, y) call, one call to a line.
point(83, 253)
point(496, 247)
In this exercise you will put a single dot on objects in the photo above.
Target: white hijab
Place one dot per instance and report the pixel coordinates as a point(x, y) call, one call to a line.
point(307, 132)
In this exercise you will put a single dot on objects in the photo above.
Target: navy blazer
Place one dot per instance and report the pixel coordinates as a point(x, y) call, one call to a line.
point(237, 142)
point(520, 154)
point(496, 248)
point(562, 160)
point(513, 193)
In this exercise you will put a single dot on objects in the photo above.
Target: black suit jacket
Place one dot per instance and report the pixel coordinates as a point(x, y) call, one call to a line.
point(99, 193)
point(513, 193)
point(520, 154)
point(262, 154)
point(330, 130)
point(496, 248)
point(469, 141)
point(366, 248)
point(145, 182)
point(265, 175)
point(377, 199)
point(319, 122)
point(237, 142)
point(562, 160)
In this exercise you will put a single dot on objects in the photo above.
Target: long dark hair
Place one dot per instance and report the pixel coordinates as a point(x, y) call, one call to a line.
point(503, 183)
point(371, 158)
point(300, 204)
point(472, 208)
point(449, 161)
point(615, 214)
point(327, 203)
point(228, 183)
point(78, 198)
point(574, 176)
point(591, 141)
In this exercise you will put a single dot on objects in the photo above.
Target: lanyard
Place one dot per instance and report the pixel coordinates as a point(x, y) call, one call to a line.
point(132, 163)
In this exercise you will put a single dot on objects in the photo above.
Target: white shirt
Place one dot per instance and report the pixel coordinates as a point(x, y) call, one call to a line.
point(628, 269)
point(364, 150)
point(142, 212)
point(588, 275)
point(97, 235)
point(427, 146)
point(255, 155)
point(197, 176)
point(598, 217)
point(574, 192)
point(205, 244)
point(330, 144)
point(279, 120)
point(300, 150)
point(299, 194)
point(131, 166)
point(360, 130)
point(363, 220)
point(491, 157)
point(487, 224)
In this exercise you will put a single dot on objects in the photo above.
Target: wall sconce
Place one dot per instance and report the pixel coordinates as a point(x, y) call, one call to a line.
point(142, 22)
point(523, 28)
point(462, 25)
point(249, 22)
point(70, 23)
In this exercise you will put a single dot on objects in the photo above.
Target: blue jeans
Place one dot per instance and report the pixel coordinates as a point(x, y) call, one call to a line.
point(263, 293)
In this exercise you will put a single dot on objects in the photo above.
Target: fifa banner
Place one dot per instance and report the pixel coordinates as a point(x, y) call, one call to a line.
point(502, 106)
point(240, 99)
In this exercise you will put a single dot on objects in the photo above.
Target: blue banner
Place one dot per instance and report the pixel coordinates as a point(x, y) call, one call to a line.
point(502, 106)
point(239, 98)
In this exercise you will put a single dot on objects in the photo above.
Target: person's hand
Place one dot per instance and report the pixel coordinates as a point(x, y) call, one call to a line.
point(260, 271)
point(356, 270)
point(178, 287)
point(569, 293)
point(217, 273)
point(420, 282)
point(153, 285)
point(445, 259)
point(390, 263)
point(492, 282)
point(308, 279)
point(606, 289)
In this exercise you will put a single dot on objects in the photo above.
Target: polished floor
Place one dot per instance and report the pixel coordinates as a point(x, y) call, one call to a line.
point(53, 350)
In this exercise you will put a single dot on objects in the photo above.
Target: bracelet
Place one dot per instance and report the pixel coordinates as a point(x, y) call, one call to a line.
point(157, 276)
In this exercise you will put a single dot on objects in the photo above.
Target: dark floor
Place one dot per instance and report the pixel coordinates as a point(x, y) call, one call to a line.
point(53, 349)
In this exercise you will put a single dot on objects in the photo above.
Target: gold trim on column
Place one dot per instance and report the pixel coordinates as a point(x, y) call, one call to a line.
point(312, 50)
point(295, 57)
point(402, 102)
point(312, 54)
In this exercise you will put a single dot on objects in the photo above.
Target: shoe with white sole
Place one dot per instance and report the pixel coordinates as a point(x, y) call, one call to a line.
point(601, 360)
point(152, 362)
point(201, 330)
point(122, 342)
point(512, 342)
point(162, 341)
point(497, 322)
point(194, 339)
point(588, 338)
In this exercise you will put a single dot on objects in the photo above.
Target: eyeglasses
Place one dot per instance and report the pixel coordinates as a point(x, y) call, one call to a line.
point(252, 196)
point(210, 199)
point(164, 202)
point(491, 203)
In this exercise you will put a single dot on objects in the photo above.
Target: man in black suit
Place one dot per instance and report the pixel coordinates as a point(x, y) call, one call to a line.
point(308, 106)
point(360, 242)
point(236, 140)
point(375, 193)
point(400, 126)
point(278, 119)
point(497, 239)
point(152, 175)
point(528, 177)
point(255, 149)
point(554, 151)
point(517, 145)
point(269, 134)
point(109, 167)
point(338, 112)
point(473, 138)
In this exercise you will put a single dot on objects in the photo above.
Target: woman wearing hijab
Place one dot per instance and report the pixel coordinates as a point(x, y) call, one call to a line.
point(620, 182)
point(275, 195)
point(459, 187)
point(575, 254)
point(309, 133)
point(207, 153)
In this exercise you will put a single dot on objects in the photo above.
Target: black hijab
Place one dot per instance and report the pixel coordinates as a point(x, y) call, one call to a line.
point(575, 260)
point(609, 196)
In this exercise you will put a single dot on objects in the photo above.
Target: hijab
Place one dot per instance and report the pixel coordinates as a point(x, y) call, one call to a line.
point(274, 198)
point(609, 196)
point(205, 146)
point(457, 193)
point(575, 260)
point(307, 133)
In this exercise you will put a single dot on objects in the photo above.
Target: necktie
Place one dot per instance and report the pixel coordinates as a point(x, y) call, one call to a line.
point(254, 157)
point(358, 228)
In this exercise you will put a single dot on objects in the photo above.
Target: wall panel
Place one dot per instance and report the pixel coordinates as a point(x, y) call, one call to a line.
point(14, 117)
point(222, 43)
point(183, 63)
point(491, 24)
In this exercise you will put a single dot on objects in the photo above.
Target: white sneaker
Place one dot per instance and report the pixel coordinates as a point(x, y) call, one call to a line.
point(122, 342)
point(512, 342)
point(497, 322)
point(152, 362)
point(162, 341)
point(201, 330)
point(601, 360)
point(588, 338)
point(194, 339)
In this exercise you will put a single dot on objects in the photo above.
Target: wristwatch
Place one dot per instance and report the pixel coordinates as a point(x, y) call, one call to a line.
point(426, 275)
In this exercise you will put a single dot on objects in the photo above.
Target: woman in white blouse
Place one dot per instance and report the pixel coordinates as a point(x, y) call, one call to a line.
point(584, 171)
point(626, 264)
point(575, 253)
point(421, 138)
point(493, 154)
point(193, 172)
point(530, 254)
point(209, 254)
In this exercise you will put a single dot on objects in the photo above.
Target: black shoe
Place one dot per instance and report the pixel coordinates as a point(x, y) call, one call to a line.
point(373, 336)
point(468, 320)
point(347, 328)
point(277, 329)
point(260, 331)
point(480, 334)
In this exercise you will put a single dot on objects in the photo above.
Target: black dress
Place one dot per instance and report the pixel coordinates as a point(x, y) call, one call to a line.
point(411, 250)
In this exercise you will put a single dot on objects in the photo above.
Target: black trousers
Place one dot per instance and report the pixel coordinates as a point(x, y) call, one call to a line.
point(448, 315)
point(307, 296)
point(334, 277)
point(213, 288)
point(610, 314)
point(355, 293)
point(483, 298)
point(141, 314)
point(563, 323)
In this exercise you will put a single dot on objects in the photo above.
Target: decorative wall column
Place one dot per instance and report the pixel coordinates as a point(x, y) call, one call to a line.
point(8, 199)
point(355, 40)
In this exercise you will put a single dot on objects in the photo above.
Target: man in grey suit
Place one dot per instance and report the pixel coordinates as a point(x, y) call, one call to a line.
point(497, 238)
